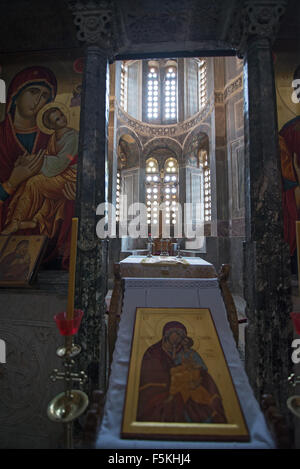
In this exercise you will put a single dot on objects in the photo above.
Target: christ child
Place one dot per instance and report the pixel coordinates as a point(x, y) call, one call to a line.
point(39, 202)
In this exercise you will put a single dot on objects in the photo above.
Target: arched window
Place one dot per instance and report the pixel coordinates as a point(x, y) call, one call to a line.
point(127, 181)
point(152, 167)
point(153, 185)
point(162, 187)
point(204, 165)
point(122, 160)
point(118, 195)
point(170, 94)
point(170, 193)
point(153, 92)
point(161, 91)
point(198, 184)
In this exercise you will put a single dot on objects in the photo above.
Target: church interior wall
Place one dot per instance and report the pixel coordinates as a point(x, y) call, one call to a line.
point(287, 76)
point(39, 327)
point(233, 100)
point(32, 338)
point(285, 65)
point(222, 123)
point(31, 328)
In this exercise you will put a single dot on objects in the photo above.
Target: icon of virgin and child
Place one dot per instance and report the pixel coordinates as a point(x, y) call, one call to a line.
point(175, 384)
point(38, 156)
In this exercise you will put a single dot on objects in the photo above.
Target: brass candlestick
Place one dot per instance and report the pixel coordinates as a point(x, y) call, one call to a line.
point(149, 246)
point(293, 402)
point(70, 404)
point(179, 256)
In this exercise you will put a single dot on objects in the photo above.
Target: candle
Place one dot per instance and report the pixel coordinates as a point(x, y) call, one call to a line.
point(298, 250)
point(72, 269)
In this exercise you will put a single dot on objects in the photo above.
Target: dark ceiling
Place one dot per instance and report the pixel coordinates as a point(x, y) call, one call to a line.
point(144, 27)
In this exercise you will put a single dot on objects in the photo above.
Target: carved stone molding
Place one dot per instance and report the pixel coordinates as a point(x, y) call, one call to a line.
point(169, 20)
point(234, 86)
point(173, 130)
point(31, 339)
point(162, 142)
point(94, 20)
point(258, 18)
point(262, 18)
point(219, 97)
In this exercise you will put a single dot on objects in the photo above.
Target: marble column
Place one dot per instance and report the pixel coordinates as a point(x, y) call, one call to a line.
point(218, 121)
point(91, 272)
point(266, 256)
point(94, 23)
point(114, 245)
point(112, 158)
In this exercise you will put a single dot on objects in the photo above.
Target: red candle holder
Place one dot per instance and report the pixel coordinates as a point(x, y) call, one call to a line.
point(66, 326)
point(296, 321)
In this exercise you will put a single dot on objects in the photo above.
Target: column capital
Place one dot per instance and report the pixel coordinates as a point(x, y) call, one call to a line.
point(258, 19)
point(94, 21)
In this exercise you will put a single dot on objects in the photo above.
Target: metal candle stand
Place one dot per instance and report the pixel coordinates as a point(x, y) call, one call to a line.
point(149, 246)
point(293, 402)
point(179, 256)
point(70, 404)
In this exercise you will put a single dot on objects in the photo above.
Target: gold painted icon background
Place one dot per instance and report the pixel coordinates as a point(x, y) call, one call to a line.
point(200, 327)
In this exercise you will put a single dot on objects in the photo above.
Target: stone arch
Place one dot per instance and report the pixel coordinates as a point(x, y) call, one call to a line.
point(123, 129)
point(204, 130)
point(133, 145)
point(162, 143)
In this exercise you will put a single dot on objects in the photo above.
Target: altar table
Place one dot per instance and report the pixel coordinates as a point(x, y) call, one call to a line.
point(180, 293)
point(166, 266)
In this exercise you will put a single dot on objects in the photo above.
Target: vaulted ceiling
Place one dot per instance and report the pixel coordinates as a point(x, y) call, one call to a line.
point(140, 27)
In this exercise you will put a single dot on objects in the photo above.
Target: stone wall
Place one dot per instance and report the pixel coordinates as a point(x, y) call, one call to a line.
point(28, 328)
point(227, 231)
point(234, 102)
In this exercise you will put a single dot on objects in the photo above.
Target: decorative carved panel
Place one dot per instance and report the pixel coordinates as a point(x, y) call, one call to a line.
point(174, 130)
point(234, 86)
point(170, 20)
point(94, 20)
point(31, 337)
point(257, 18)
point(239, 114)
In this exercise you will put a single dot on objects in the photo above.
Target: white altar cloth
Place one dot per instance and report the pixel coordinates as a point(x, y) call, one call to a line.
point(168, 266)
point(180, 293)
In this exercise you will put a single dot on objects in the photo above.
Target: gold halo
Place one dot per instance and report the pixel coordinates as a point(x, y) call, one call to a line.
point(39, 120)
